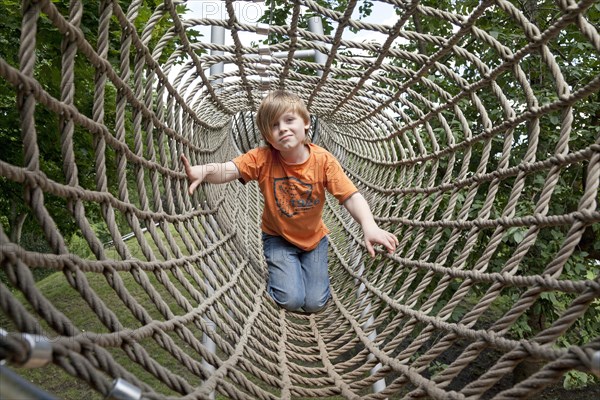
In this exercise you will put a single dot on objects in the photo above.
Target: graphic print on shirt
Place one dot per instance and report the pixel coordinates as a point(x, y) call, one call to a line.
point(293, 196)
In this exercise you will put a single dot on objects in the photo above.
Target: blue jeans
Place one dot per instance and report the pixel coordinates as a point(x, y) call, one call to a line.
point(298, 279)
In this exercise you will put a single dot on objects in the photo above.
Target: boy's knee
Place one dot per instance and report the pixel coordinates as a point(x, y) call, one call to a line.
point(290, 301)
point(315, 306)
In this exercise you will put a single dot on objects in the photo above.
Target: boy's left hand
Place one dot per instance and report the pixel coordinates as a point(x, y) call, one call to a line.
point(375, 235)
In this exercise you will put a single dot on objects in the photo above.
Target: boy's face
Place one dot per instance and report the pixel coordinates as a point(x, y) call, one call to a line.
point(288, 132)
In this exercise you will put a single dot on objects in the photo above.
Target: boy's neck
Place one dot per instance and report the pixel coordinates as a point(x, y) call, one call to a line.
point(295, 156)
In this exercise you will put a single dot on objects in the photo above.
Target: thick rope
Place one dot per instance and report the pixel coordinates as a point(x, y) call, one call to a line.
point(446, 133)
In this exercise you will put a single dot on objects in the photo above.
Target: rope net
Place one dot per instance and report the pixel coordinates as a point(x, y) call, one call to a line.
point(476, 144)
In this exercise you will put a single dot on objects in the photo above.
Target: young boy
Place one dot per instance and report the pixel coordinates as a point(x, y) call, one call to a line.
point(293, 174)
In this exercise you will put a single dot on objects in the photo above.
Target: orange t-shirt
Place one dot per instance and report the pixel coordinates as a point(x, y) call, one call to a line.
point(294, 194)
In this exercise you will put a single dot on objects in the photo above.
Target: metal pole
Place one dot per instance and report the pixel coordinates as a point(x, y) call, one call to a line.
point(297, 54)
point(14, 386)
point(315, 25)
point(217, 36)
point(380, 384)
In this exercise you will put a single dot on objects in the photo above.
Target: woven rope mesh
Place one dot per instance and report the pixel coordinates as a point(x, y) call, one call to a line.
point(477, 145)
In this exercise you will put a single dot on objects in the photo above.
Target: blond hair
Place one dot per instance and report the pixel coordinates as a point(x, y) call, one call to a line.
point(273, 106)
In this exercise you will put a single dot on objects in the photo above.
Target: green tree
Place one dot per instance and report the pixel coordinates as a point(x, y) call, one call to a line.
point(15, 214)
point(579, 63)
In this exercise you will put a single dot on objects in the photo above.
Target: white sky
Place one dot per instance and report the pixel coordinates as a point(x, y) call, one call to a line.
point(249, 13)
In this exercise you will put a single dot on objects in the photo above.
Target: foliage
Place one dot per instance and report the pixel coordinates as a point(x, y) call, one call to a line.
point(278, 13)
point(47, 71)
point(578, 63)
point(573, 53)
point(56, 380)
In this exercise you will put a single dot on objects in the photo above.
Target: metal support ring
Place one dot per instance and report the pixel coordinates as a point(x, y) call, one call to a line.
point(266, 60)
point(262, 69)
point(596, 363)
point(40, 351)
point(264, 50)
point(265, 83)
point(262, 28)
point(123, 390)
point(3, 333)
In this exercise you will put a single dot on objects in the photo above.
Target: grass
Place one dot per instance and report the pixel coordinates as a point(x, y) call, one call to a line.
point(69, 302)
point(55, 288)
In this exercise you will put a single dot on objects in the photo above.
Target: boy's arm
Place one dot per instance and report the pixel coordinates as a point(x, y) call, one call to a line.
point(211, 173)
point(358, 207)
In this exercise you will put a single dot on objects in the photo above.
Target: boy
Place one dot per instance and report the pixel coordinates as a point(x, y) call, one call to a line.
point(293, 175)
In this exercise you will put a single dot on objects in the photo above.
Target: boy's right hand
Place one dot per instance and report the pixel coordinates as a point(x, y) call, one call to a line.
point(194, 174)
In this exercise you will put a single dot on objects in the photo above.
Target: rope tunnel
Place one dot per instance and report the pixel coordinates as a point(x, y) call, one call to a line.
point(472, 129)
